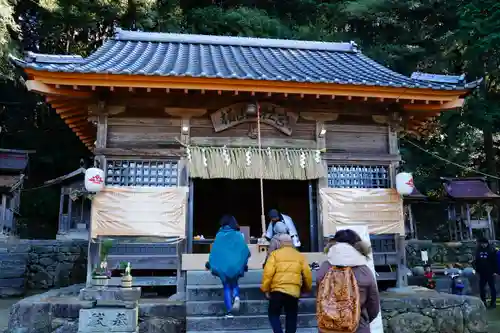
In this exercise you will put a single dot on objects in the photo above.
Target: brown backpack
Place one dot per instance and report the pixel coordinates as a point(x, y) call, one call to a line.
point(338, 307)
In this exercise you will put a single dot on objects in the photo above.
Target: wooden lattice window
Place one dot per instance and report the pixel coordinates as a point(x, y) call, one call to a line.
point(141, 173)
point(358, 176)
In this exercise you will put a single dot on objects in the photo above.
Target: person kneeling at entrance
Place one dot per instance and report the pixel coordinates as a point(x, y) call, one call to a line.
point(348, 298)
point(228, 260)
point(275, 217)
point(286, 275)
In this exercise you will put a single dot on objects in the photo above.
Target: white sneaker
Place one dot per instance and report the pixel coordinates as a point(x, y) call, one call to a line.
point(229, 315)
point(236, 304)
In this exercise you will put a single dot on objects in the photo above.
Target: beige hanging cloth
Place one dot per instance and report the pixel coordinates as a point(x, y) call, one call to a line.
point(140, 211)
point(380, 209)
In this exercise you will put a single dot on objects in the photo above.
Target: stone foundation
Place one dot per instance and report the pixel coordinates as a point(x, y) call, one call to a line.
point(40, 264)
point(407, 311)
point(57, 311)
point(432, 312)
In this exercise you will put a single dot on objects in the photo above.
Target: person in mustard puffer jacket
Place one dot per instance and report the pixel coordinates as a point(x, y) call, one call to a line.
point(286, 275)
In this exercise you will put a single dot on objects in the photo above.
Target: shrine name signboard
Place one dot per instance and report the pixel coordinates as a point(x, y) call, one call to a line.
point(270, 114)
point(108, 320)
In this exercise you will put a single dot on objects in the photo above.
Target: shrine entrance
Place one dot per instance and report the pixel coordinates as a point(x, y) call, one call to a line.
point(212, 198)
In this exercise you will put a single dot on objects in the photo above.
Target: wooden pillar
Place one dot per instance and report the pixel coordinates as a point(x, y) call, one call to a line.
point(402, 277)
point(460, 224)
point(61, 212)
point(183, 170)
point(190, 222)
point(323, 181)
point(467, 211)
point(491, 226)
point(411, 222)
point(3, 212)
point(393, 149)
point(102, 131)
point(392, 143)
point(70, 214)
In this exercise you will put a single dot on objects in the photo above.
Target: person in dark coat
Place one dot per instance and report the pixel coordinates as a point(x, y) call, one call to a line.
point(487, 268)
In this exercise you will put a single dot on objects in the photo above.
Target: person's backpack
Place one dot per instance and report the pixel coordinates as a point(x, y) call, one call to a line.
point(338, 307)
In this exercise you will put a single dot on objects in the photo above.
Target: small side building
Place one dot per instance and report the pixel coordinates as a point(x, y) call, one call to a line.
point(469, 211)
point(13, 165)
point(74, 206)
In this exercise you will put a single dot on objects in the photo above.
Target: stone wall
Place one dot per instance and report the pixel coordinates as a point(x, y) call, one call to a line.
point(411, 311)
point(432, 312)
point(40, 264)
point(440, 253)
point(57, 311)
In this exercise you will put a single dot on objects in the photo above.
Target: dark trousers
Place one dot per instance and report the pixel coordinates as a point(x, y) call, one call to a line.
point(277, 302)
point(490, 280)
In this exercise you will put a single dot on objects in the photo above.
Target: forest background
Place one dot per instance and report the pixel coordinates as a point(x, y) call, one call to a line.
point(435, 36)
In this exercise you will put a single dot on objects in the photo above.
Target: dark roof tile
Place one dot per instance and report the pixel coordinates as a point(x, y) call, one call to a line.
point(415, 195)
point(468, 188)
point(163, 54)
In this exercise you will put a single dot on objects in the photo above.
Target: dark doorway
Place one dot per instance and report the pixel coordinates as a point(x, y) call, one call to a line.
point(215, 197)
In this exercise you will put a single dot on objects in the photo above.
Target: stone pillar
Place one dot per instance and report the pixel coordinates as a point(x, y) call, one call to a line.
point(112, 309)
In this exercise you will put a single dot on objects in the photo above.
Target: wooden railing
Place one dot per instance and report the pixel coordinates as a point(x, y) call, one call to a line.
point(146, 256)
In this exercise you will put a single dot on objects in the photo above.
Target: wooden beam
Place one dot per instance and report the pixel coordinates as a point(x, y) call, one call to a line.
point(46, 89)
point(80, 124)
point(68, 104)
point(82, 119)
point(457, 103)
point(185, 112)
point(142, 152)
point(104, 108)
point(262, 86)
point(248, 142)
point(319, 116)
point(72, 114)
point(60, 110)
point(349, 158)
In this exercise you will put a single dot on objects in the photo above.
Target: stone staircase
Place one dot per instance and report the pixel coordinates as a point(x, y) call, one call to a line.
point(205, 306)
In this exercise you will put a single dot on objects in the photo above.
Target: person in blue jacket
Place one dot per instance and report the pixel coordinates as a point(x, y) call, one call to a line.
point(228, 260)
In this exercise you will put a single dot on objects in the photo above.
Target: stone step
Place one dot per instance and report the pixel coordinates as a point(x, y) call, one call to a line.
point(242, 322)
point(146, 281)
point(217, 308)
point(247, 292)
point(206, 278)
point(299, 330)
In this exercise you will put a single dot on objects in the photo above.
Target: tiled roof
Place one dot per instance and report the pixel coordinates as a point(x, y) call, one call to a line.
point(468, 188)
point(8, 181)
point(202, 56)
point(415, 195)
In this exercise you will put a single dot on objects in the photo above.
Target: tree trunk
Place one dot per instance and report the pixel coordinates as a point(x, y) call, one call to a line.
point(489, 151)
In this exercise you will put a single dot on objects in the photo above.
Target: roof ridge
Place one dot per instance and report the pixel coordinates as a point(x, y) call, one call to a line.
point(53, 58)
point(161, 37)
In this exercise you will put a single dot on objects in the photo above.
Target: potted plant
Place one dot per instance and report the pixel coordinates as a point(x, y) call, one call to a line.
point(101, 274)
point(126, 277)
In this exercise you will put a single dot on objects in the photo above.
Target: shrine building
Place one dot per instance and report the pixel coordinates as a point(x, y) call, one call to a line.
point(171, 119)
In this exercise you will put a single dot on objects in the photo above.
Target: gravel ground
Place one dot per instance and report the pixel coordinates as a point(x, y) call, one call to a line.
point(5, 305)
point(494, 319)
